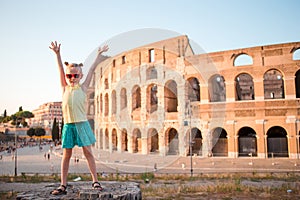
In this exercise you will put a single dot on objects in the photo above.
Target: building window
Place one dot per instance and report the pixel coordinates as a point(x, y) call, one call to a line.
point(244, 87)
point(273, 85)
point(217, 89)
point(151, 55)
point(123, 59)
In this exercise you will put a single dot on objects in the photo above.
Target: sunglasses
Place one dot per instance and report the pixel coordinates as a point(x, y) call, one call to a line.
point(69, 76)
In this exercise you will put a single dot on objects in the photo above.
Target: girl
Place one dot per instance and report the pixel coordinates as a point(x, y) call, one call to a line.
point(76, 130)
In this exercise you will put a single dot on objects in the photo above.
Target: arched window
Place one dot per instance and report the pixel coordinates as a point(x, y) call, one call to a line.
point(152, 100)
point(113, 102)
point(136, 140)
point(106, 105)
point(196, 141)
point(101, 104)
point(124, 140)
point(114, 137)
point(297, 83)
point(273, 85)
point(97, 104)
point(219, 142)
point(243, 59)
point(106, 83)
point(172, 141)
point(123, 99)
point(170, 92)
point(153, 140)
point(277, 142)
point(244, 87)
point(217, 88)
point(136, 97)
point(296, 54)
point(247, 142)
point(193, 89)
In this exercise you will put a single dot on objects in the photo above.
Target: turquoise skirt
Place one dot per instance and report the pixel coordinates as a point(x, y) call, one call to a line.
point(79, 134)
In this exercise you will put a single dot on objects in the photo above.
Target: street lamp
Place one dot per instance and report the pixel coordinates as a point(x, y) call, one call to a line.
point(189, 113)
point(16, 146)
point(191, 141)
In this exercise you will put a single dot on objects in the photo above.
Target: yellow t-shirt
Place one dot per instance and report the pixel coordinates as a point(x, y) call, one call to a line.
point(73, 104)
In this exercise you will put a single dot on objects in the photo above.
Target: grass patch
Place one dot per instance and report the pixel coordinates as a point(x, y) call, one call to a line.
point(180, 186)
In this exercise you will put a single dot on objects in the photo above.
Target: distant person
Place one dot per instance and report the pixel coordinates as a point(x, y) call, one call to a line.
point(76, 129)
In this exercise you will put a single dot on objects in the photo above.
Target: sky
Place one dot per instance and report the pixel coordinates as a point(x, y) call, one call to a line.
point(29, 74)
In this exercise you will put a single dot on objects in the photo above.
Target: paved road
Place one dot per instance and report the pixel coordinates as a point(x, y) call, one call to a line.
point(32, 160)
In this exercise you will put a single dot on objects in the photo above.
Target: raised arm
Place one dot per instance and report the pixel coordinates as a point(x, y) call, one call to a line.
point(98, 59)
point(56, 49)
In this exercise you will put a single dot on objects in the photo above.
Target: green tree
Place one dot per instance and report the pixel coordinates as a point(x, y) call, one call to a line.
point(39, 132)
point(31, 132)
point(55, 131)
point(20, 117)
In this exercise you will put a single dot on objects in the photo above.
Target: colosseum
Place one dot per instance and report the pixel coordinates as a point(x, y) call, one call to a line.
point(164, 99)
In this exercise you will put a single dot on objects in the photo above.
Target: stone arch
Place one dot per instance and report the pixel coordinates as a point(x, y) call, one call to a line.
point(113, 102)
point(193, 89)
point(170, 96)
point(136, 97)
point(106, 103)
point(296, 54)
point(97, 104)
point(153, 140)
point(101, 139)
point(152, 99)
point(124, 136)
point(242, 59)
point(277, 142)
point(297, 83)
point(123, 98)
point(106, 83)
point(244, 87)
point(106, 140)
point(136, 140)
point(219, 142)
point(217, 88)
point(172, 141)
point(114, 139)
point(273, 84)
point(101, 104)
point(196, 141)
point(247, 142)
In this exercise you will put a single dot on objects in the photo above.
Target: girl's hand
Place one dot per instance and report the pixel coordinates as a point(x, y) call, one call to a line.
point(103, 49)
point(55, 47)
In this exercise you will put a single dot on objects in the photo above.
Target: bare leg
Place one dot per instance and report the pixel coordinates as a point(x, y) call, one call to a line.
point(87, 151)
point(67, 153)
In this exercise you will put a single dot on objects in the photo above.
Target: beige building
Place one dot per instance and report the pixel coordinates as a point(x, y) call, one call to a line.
point(162, 98)
point(45, 114)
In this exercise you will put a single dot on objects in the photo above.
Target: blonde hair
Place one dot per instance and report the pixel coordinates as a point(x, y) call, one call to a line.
point(74, 65)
